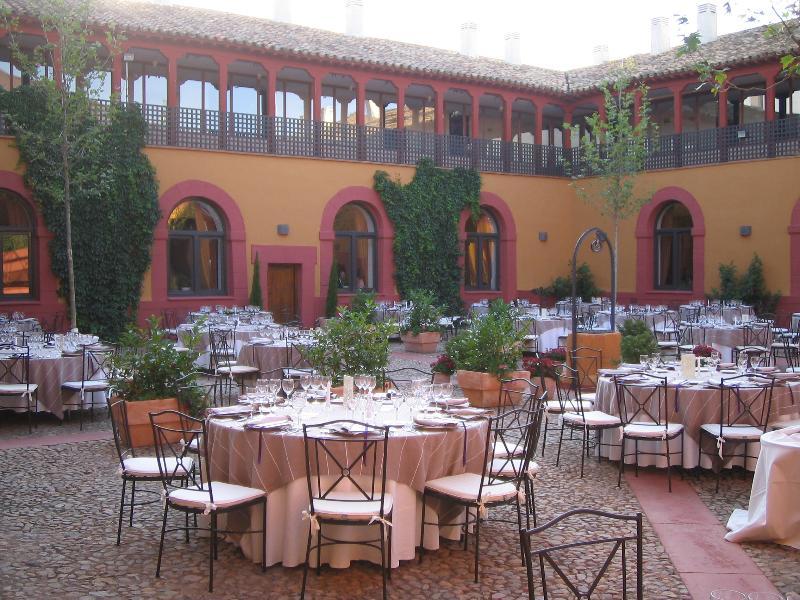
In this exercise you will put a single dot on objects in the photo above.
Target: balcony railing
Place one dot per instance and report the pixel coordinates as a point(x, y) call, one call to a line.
point(256, 134)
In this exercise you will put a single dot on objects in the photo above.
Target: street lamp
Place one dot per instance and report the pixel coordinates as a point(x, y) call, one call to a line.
point(127, 58)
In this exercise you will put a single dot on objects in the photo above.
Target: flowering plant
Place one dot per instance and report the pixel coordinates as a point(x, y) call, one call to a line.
point(541, 367)
point(557, 354)
point(443, 364)
point(702, 350)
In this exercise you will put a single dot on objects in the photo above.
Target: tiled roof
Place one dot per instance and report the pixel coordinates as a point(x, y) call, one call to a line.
point(216, 27)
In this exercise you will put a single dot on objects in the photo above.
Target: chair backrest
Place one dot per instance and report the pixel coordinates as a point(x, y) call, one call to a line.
point(560, 561)
point(222, 346)
point(690, 313)
point(15, 366)
point(517, 392)
point(119, 426)
point(643, 400)
point(568, 390)
point(175, 433)
point(352, 463)
point(585, 361)
point(758, 334)
point(691, 334)
point(746, 400)
point(515, 436)
point(404, 376)
point(97, 361)
point(300, 361)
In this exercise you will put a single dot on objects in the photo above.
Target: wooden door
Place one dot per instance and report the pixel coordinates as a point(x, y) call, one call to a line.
point(282, 293)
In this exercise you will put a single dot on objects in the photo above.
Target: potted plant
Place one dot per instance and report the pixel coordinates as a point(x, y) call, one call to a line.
point(487, 352)
point(150, 374)
point(421, 331)
point(443, 369)
point(637, 339)
point(351, 344)
point(545, 368)
point(703, 351)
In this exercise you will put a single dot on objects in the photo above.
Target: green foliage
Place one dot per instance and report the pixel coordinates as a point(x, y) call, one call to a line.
point(425, 214)
point(114, 203)
point(256, 298)
point(637, 339)
point(561, 287)
point(351, 344)
point(424, 315)
point(148, 366)
point(491, 345)
point(364, 302)
point(332, 298)
point(750, 287)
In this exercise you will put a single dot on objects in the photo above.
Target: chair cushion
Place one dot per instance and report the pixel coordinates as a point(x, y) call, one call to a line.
point(226, 495)
point(554, 406)
point(589, 396)
point(792, 369)
point(17, 389)
point(751, 349)
point(593, 418)
point(147, 466)
point(289, 372)
point(92, 385)
point(501, 450)
point(783, 424)
point(238, 370)
point(667, 344)
point(466, 486)
point(351, 506)
point(502, 467)
point(736, 432)
point(651, 430)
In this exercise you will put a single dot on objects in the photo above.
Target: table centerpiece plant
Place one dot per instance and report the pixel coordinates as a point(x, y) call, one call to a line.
point(488, 351)
point(637, 340)
point(421, 331)
point(443, 368)
point(150, 374)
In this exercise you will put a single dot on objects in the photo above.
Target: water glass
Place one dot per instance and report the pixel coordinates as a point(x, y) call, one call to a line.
point(287, 385)
point(764, 596)
point(727, 595)
point(644, 360)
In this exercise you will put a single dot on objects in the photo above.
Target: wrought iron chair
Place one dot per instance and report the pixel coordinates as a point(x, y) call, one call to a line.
point(665, 329)
point(553, 407)
point(95, 372)
point(745, 402)
point(223, 359)
point(15, 375)
point(691, 334)
point(787, 349)
point(757, 340)
point(356, 464)
point(135, 469)
point(576, 418)
point(201, 496)
point(296, 361)
point(557, 557)
point(496, 484)
point(403, 376)
point(642, 406)
point(586, 361)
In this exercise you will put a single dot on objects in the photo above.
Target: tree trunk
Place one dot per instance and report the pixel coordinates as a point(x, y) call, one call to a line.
point(73, 313)
point(615, 262)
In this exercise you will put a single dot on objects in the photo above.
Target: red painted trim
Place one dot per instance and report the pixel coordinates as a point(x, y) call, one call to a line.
point(794, 251)
point(46, 303)
point(508, 249)
point(235, 249)
point(645, 233)
point(370, 199)
point(306, 258)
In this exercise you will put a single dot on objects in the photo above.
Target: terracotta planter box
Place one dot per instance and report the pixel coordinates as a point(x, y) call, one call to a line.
point(139, 426)
point(424, 343)
point(483, 389)
point(441, 378)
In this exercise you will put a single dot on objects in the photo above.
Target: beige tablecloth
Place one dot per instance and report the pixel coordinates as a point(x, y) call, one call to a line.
point(270, 357)
point(774, 512)
point(692, 406)
point(275, 461)
point(49, 374)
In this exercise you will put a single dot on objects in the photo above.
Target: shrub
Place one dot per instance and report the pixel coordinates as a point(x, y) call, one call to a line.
point(561, 287)
point(750, 287)
point(424, 315)
point(332, 298)
point(364, 302)
point(256, 298)
point(637, 339)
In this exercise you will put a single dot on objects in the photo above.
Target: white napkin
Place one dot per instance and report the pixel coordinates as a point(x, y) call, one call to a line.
point(451, 401)
point(234, 409)
point(434, 421)
point(468, 411)
point(268, 421)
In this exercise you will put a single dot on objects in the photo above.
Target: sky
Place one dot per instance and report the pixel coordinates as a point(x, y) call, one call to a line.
point(554, 34)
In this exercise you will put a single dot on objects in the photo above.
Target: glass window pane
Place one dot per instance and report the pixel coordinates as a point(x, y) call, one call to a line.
point(341, 251)
point(664, 257)
point(209, 272)
point(685, 260)
point(16, 263)
point(471, 264)
point(352, 217)
point(12, 211)
point(181, 264)
point(365, 263)
point(488, 264)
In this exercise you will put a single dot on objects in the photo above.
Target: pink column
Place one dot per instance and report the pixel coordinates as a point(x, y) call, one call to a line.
point(722, 108)
point(272, 84)
point(223, 86)
point(172, 80)
point(567, 134)
point(439, 115)
point(401, 106)
point(508, 104)
point(317, 108)
point(537, 132)
point(360, 101)
point(116, 75)
point(475, 117)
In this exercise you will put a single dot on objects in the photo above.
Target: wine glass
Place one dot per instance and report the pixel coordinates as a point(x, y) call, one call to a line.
point(274, 386)
point(287, 385)
point(305, 383)
point(371, 382)
point(727, 595)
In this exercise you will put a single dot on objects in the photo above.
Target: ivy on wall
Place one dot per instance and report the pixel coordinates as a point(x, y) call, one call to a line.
point(114, 204)
point(425, 214)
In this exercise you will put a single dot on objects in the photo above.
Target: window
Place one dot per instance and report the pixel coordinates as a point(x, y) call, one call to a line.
point(196, 240)
point(480, 255)
point(355, 248)
point(673, 251)
point(16, 237)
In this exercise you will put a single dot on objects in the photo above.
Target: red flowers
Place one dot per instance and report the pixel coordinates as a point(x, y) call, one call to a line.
point(703, 351)
point(444, 364)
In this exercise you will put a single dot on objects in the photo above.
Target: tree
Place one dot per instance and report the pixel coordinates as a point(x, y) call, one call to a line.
point(256, 298)
point(332, 298)
point(614, 152)
point(78, 68)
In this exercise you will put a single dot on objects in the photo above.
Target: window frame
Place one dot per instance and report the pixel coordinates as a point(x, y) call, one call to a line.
point(479, 239)
point(32, 254)
point(353, 237)
point(674, 233)
point(196, 237)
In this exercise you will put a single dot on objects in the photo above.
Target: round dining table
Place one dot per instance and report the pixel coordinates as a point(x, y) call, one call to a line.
point(274, 460)
point(691, 403)
point(49, 373)
point(271, 356)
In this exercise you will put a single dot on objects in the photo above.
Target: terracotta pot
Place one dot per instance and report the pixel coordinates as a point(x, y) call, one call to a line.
point(442, 378)
point(139, 426)
point(483, 389)
point(424, 343)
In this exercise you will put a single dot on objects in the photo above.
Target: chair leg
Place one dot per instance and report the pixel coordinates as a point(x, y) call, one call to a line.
point(133, 495)
point(212, 546)
point(584, 448)
point(669, 468)
point(389, 562)
point(161, 543)
point(636, 457)
point(477, 543)
point(121, 510)
point(422, 529)
point(544, 433)
point(264, 537)
point(305, 566)
point(621, 461)
point(319, 551)
point(383, 557)
point(186, 527)
point(560, 440)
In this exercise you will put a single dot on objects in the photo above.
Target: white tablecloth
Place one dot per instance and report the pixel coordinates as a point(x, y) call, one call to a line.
point(774, 510)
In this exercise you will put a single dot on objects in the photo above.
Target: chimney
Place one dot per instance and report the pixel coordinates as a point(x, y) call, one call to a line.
point(707, 22)
point(600, 54)
point(469, 33)
point(512, 48)
point(659, 35)
point(354, 17)
point(283, 10)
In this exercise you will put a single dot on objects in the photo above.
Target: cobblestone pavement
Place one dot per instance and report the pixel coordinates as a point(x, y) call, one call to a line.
point(59, 525)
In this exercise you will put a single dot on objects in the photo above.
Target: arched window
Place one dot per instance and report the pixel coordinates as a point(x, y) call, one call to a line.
point(16, 236)
point(196, 249)
point(355, 248)
point(480, 255)
point(673, 248)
